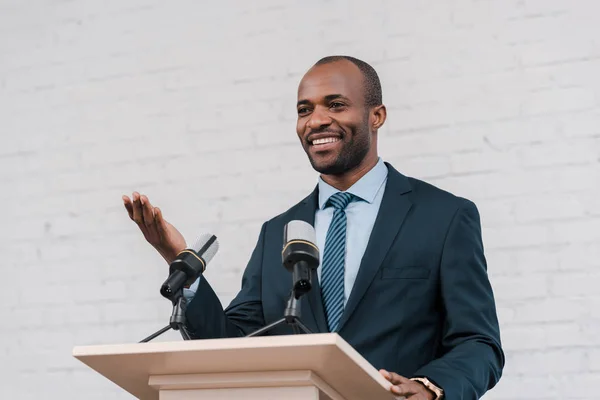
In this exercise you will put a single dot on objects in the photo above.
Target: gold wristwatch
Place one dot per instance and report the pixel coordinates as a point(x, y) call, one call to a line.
point(439, 393)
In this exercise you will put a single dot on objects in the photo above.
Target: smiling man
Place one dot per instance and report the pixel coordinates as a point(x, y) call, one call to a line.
point(403, 276)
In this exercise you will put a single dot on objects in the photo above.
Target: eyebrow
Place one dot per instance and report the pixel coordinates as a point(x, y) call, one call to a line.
point(328, 98)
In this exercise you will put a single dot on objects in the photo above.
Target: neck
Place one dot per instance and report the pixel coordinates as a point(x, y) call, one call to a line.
point(345, 180)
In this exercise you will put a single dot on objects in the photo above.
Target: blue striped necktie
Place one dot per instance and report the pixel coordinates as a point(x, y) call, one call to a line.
point(332, 274)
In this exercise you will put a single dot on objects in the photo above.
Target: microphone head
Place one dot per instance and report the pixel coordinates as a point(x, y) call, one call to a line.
point(299, 238)
point(189, 264)
point(300, 254)
point(206, 246)
point(299, 230)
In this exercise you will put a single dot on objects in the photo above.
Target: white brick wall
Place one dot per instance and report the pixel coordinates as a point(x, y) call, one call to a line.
point(495, 100)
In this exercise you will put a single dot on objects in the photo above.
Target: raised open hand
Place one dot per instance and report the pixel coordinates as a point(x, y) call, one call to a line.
point(163, 236)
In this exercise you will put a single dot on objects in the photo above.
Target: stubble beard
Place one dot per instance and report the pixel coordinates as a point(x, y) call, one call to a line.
point(351, 155)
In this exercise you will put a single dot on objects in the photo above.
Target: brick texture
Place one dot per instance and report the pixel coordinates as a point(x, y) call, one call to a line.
point(193, 104)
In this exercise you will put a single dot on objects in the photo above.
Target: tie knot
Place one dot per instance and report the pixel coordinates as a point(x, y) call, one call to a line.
point(340, 200)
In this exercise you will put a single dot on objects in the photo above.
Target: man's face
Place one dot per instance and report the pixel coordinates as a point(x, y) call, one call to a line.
point(333, 122)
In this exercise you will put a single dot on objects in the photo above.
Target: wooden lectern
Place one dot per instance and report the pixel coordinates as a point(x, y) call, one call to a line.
point(294, 367)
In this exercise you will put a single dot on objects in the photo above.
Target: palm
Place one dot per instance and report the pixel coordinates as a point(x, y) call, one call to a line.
point(163, 236)
point(171, 237)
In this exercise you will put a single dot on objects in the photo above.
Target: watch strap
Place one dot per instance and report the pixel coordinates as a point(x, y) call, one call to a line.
point(439, 392)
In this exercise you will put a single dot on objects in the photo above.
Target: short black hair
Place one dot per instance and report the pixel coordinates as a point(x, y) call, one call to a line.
point(372, 85)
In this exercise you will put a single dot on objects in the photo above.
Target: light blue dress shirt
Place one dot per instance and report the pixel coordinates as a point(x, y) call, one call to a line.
point(360, 217)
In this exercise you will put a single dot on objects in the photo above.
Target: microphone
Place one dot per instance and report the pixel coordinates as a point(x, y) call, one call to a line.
point(189, 264)
point(300, 254)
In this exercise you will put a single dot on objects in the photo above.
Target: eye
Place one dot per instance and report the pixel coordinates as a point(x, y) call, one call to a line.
point(303, 110)
point(337, 104)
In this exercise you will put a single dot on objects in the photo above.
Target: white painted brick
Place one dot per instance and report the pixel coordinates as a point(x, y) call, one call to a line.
point(486, 161)
point(572, 284)
point(107, 290)
point(580, 152)
point(516, 236)
point(496, 212)
point(422, 167)
point(591, 326)
point(551, 310)
point(524, 386)
point(543, 7)
point(531, 337)
point(556, 52)
point(571, 99)
point(579, 230)
point(524, 287)
point(595, 359)
point(539, 208)
point(585, 124)
point(532, 30)
point(549, 361)
point(437, 141)
point(538, 259)
point(495, 101)
point(506, 314)
point(500, 262)
point(280, 134)
point(497, 185)
point(502, 134)
point(570, 74)
point(580, 384)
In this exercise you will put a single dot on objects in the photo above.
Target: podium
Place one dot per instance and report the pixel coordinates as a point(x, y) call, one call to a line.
point(292, 367)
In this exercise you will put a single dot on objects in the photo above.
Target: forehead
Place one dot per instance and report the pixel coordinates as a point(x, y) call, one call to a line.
point(339, 77)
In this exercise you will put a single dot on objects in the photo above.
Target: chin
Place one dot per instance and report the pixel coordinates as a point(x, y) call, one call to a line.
point(329, 168)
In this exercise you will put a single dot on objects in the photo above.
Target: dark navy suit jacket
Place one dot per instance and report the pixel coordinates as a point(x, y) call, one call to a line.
point(422, 304)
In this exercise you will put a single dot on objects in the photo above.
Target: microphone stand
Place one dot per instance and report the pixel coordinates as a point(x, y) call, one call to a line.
point(291, 314)
point(177, 320)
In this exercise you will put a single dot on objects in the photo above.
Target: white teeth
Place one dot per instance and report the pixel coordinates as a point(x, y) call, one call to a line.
point(325, 140)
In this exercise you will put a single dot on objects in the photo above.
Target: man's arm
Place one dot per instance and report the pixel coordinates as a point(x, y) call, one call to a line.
point(205, 316)
point(472, 359)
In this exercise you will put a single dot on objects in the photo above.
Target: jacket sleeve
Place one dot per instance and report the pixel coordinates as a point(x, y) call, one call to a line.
point(205, 316)
point(472, 358)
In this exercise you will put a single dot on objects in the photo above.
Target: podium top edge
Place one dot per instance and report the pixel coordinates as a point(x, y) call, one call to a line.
point(317, 339)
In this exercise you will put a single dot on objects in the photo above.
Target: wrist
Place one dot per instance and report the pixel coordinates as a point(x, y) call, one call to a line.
point(434, 392)
point(169, 254)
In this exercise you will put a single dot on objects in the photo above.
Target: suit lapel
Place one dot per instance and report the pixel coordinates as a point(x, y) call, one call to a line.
point(394, 207)
point(306, 212)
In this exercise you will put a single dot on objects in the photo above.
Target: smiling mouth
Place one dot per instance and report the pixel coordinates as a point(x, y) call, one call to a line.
point(322, 141)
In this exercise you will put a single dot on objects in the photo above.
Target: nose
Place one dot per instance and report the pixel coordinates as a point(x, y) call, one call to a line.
point(319, 119)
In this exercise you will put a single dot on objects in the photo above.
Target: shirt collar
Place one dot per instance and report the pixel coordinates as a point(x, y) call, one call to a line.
point(365, 188)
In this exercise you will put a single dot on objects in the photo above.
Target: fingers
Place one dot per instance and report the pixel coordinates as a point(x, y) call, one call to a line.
point(159, 222)
point(138, 216)
point(401, 386)
point(385, 374)
point(147, 211)
point(394, 377)
point(128, 206)
point(417, 396)
point(403, 389)
point(141, 212)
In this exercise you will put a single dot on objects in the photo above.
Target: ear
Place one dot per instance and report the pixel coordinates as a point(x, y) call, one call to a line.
point(378, 116)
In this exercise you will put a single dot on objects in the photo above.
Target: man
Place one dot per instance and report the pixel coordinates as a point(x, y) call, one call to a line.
point(403, 274)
